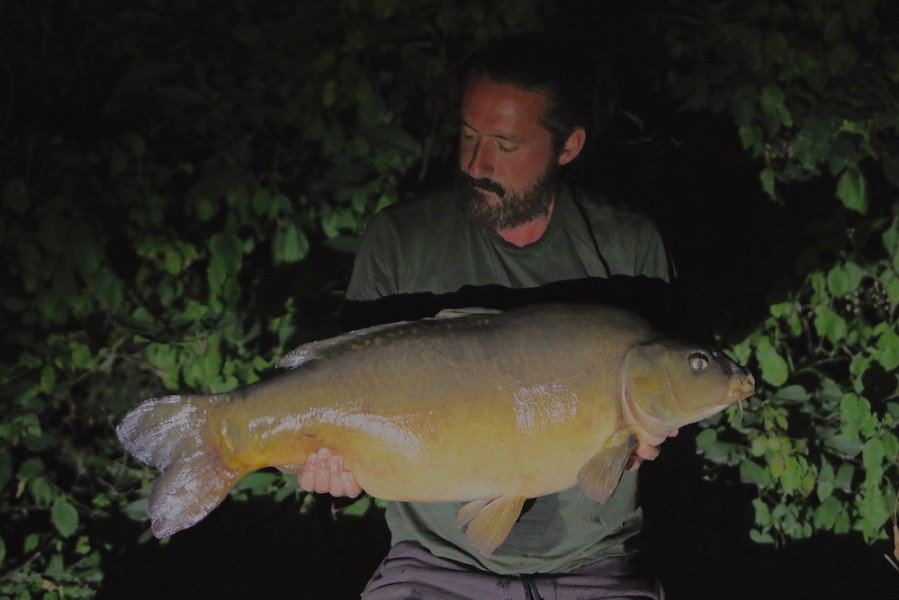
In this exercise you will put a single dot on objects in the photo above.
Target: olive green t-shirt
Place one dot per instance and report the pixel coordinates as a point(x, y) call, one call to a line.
point(428, 246)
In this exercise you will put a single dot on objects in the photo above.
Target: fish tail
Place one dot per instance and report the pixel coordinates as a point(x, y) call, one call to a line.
point(172, 434)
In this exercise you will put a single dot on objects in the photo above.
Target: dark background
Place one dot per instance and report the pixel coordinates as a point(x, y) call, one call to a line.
point(730, 244)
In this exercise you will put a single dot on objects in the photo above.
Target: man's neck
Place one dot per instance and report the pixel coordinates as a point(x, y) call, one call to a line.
point(530, 232)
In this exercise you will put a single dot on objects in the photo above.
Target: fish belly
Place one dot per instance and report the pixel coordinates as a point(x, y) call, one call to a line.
point(422, 433)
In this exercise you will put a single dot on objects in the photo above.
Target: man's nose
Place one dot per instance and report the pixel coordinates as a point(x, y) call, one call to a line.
point(480, 163)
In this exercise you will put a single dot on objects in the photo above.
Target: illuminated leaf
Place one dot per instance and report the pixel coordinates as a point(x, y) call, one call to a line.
point(887, 349)
point(774, 368)
point(844, 279)
point(64, 516)
point(872, 457)
point(290, 243)
point(851, 190)
point(830, 325)
point(826, 479)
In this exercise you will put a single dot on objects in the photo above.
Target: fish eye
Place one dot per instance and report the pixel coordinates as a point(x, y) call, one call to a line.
point(699, 361)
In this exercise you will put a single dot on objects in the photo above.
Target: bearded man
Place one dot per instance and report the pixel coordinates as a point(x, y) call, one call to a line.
point(511, 220)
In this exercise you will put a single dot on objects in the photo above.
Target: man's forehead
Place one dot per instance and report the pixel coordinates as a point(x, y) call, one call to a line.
point(501, 105)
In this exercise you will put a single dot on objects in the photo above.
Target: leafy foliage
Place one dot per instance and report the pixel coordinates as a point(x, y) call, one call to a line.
point(181, 190)
point(167, 171)
point(812, 87)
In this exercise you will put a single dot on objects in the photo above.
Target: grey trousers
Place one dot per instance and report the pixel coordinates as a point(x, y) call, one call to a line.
point(409, 572)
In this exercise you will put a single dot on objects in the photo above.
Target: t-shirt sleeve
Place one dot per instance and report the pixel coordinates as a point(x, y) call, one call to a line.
point(652, 257)
point(375, 267)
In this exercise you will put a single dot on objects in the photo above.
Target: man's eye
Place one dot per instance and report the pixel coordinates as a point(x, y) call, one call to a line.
point(507, 147)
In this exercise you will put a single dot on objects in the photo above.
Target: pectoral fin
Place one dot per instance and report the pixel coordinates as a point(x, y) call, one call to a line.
point(490, 521)
point(599, 477)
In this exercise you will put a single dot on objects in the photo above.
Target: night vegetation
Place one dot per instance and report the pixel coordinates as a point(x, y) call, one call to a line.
point(182, 185)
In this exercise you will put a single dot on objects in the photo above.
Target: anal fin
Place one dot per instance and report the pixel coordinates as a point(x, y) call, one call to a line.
point(599, 477)
point(490, 521)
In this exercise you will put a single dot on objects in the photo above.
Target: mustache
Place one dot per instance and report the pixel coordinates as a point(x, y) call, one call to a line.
point(484, 183)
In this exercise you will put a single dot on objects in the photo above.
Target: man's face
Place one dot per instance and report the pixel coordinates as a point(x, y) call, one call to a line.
point(505, 155)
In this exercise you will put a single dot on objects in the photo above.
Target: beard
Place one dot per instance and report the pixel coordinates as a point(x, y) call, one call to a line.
point(507, 209)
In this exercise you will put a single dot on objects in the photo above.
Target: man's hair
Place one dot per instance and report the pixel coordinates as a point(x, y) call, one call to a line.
point(575, 81)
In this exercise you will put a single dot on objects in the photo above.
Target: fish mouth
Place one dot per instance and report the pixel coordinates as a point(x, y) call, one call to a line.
point(741, 388)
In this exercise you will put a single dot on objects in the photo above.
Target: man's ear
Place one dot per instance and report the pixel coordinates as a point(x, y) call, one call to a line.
point(573, 146)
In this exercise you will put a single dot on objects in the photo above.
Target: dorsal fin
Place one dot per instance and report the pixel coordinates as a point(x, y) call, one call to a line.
point(453, 313)
point(329, 347)
point(336, 345)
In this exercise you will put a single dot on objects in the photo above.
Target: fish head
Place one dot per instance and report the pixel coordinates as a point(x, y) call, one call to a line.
point(666, 384)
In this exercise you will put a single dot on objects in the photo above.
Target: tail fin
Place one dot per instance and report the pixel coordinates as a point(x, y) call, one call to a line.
point(173, 435)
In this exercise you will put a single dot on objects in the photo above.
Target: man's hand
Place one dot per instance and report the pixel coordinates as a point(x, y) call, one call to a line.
point(324, 473)
point(645, 452)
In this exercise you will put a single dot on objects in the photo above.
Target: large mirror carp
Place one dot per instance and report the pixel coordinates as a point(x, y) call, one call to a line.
point(485, 407)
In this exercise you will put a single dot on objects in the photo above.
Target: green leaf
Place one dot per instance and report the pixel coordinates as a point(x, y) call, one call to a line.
point(226, 254)
point(872, 457)
point(887, 349)
point(2, 551)
point(767, 177)
point(31, 543)
point(38, 441)
point(851, 190)
point(137, 510)
point(761, 537)
point(290, 243)
point(257, 482)
point(714, 449)
point(48, 379)
point(792, 475)
point(763, 516)
point(29, 468)
point(83, 545)
point(166, 361)
point(289, 487)
point(774, 368)
point(358, 508)
point(64, 517)
point(856, 416)
point(792, 393)
point(890, 444)
point(826, 514)
point(755, 474)
point(107, 288)
point(875, 510)
point(826, 480)
point(844, 279)
point(892, 287)
point(773, 103)
point(82, 358)
point(844, 477)
point(205, 208)
point(830, 325)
